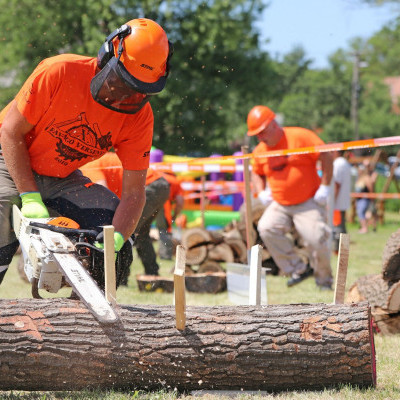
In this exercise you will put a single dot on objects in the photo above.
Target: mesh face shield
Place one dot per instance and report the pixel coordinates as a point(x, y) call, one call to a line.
point(115, 88)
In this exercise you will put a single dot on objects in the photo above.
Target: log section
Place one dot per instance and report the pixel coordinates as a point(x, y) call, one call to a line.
point(56, 344)
point(391, 258)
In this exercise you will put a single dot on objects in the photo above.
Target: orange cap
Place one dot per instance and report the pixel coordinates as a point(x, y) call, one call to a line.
point(258, 119)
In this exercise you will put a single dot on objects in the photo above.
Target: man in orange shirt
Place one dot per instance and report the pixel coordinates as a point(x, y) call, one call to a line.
point(295, 196)
point(107, 171)
point(71, 110)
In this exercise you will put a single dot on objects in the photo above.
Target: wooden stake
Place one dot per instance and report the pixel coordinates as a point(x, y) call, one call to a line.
point(255, 276)
point(109, 265)
point(341, 272)
point(179, 287)
point(247, 201)
point(203, 201)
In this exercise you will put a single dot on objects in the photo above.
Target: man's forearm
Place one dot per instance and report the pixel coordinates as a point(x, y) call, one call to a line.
point(16, 157)
point(258, 183)
point(15, 152)
point(128, 213)
point(327, 168)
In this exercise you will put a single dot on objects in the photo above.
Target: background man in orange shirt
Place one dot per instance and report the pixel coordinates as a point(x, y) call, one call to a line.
point(72, 110)
point(295, 194)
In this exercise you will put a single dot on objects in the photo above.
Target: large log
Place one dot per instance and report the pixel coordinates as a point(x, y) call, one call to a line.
point(391, 258)
point(56, 344)
point(378, 292)
point(384, 299)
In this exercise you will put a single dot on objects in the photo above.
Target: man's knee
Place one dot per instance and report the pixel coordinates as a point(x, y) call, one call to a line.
point(3, 270)
point(6, 255)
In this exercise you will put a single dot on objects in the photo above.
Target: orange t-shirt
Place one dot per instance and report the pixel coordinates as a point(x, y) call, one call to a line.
point(293, 179)
point(107, 168)
point(152, 175)
point(70, 128)
point(175, 187)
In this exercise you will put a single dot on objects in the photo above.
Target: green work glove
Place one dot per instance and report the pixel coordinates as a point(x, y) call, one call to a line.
point(118, 241)
point(33, 206)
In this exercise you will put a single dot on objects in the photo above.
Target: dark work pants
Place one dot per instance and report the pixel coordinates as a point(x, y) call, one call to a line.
point(157, 194)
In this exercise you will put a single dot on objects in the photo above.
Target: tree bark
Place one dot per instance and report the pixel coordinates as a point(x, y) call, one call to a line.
point(384, 299)
point(378, 292)
point(391, 258)
point(56, 344)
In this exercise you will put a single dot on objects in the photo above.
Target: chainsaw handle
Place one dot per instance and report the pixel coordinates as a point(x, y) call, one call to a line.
point(88, 233)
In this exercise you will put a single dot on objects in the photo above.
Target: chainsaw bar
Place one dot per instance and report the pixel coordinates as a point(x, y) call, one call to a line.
point(85, 287)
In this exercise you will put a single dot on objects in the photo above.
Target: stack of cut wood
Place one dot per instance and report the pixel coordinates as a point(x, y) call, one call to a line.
point(207, 251)
point(382, 291)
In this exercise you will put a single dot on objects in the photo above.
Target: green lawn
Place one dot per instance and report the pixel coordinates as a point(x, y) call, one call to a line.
point(365, 258)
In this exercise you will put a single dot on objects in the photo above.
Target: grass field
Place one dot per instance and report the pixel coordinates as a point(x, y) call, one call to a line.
point(365, 258)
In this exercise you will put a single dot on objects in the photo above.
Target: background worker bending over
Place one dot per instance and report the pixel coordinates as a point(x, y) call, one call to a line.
point(295, 194)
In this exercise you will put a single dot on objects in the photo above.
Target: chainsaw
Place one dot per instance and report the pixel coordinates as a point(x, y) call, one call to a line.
point(56, 252)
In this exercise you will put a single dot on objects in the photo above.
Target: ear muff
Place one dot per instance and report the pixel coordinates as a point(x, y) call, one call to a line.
point(106, 51)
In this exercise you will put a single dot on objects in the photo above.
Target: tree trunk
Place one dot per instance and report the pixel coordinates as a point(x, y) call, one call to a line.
point(391, 258)
point(384, 299)
point(377, 292)
point(56, 344)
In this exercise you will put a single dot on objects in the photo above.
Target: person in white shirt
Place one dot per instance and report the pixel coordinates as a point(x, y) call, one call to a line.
point(342, 195)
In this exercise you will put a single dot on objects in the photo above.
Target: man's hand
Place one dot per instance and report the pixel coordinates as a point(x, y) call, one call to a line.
point(265, 196)
point(33, 206)
point(322, 194)
point(118, 241)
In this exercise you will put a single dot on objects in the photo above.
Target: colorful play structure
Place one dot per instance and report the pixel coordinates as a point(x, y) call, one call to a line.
point(211, 198)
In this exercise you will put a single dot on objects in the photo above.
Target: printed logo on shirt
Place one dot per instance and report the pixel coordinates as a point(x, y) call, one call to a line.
point(78, 140)
point(146, 153)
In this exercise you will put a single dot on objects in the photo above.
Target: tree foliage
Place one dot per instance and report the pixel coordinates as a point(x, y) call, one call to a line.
point(219, 71)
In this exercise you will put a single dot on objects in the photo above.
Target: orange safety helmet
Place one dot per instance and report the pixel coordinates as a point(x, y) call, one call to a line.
point(134, 65)
point(258, 119)
point(145, 50)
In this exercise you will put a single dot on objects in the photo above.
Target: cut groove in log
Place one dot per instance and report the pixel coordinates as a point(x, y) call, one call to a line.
point(56, 344)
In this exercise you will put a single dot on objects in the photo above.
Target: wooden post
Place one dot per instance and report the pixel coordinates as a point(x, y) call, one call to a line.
point(179, 287)
point(341, 272)
point(109, 265)
point(247, 201)
point(203, 201)
point(385, 189)
point(255, 276)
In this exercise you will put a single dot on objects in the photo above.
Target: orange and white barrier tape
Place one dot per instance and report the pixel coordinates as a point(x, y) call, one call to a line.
point(379, 196)
point(218, 164)
point(213, 185)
